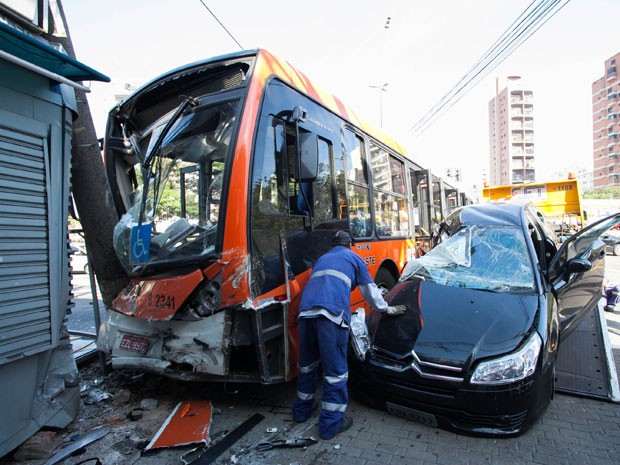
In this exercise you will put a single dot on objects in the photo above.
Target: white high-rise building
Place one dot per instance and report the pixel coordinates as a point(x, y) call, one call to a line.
point(511, 133)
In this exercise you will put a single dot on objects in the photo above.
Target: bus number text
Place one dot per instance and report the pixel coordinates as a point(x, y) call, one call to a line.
point(161, 301)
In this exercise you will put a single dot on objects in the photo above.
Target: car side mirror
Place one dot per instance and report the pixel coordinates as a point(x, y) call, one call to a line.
point(578, 265)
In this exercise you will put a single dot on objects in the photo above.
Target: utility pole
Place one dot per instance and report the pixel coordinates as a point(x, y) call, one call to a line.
point(382, 88)
point(92, 193)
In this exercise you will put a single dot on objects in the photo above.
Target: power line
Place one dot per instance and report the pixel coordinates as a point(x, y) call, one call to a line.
point(528, 22)
point(220, 23)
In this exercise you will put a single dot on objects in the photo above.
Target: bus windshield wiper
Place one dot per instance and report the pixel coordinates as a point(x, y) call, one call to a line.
point(187, 102)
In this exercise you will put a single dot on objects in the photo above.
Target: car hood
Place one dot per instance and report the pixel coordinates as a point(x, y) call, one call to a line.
point(452, 325)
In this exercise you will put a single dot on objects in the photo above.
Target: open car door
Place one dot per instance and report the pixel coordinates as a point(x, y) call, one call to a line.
point(576, 273)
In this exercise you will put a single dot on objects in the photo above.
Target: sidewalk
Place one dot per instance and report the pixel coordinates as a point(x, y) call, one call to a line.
point(573, 430)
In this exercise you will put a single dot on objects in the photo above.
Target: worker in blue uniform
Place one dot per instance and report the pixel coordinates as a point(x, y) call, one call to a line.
point(324, 317)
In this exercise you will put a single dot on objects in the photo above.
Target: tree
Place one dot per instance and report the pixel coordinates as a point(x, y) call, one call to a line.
point(610, 192)
point(92, 194)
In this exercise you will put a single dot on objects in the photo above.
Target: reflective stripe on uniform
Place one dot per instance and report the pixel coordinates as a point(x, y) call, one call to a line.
point(331, 407)
point(317, 311)
point(304, 396)
point(337, 379)
point(334, 273)
point(309, 368)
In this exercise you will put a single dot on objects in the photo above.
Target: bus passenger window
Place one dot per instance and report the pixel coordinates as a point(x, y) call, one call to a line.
point(390, 201)
point(360, 221)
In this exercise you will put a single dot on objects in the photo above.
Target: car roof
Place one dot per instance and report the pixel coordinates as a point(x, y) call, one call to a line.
point(492, 214)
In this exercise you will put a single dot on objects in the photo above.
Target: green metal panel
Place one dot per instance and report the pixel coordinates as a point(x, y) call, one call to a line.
point(40, 54)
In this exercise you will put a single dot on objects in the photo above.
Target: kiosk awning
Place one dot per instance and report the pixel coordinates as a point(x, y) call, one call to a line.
point(44, 56)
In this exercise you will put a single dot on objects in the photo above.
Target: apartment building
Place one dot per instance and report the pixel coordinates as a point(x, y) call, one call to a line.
point(606, 125)
point(511, 133)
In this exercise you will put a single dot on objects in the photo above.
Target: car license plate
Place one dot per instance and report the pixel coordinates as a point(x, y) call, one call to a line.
point(134, 343)
point(411, 414)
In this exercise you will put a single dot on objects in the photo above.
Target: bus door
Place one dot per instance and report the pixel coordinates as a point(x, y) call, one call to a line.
point(438, 204)
point(453, 198)
point(422, 196)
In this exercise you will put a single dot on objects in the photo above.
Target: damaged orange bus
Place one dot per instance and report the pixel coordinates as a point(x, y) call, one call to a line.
point(230, 177)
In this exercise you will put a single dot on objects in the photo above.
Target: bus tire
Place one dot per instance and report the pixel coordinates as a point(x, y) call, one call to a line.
point(384, 280)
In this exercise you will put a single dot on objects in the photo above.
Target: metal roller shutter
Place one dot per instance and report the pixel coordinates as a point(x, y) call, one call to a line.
point(25, 317)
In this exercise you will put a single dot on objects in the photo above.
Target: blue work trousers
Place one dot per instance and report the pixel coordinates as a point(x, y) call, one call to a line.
point(322, 342)
point(612, 295)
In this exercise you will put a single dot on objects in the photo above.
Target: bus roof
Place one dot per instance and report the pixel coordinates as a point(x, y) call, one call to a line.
point(266, 65)
point(271, 65)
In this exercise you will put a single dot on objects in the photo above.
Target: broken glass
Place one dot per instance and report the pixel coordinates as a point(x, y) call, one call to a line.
point(490, 258)
point(183, 182)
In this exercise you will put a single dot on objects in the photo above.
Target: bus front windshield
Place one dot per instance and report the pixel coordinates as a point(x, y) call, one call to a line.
point(181, 187)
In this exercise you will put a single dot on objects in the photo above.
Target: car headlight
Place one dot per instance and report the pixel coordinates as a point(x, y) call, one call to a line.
point(512, 367)
point(360, 340)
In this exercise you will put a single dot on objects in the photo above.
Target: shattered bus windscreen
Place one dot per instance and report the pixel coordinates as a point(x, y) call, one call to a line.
point(183, 185)
point(487, 258)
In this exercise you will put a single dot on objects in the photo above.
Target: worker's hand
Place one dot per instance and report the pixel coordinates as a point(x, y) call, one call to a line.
point(395, 310)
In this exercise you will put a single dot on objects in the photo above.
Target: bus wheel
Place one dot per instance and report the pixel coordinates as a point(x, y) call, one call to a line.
point(384, 280)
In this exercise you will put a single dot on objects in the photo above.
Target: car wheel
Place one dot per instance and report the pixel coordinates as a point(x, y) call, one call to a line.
point(384, 280)
point(616, 249)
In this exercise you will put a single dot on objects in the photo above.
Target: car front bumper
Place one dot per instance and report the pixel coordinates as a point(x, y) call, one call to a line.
point(497, 410)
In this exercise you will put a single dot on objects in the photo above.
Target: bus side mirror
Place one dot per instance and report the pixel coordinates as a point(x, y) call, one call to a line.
point(308, 163)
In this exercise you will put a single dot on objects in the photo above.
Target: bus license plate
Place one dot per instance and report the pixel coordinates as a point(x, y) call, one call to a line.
point(134, 343)
point(411, 414)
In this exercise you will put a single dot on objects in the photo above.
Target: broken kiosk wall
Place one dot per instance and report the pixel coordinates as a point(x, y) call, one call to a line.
point(39, 381)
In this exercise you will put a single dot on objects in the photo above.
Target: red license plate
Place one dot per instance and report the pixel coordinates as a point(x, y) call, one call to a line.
point(134, 343)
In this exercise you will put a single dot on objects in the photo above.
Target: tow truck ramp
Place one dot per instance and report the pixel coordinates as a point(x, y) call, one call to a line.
point(585, 364)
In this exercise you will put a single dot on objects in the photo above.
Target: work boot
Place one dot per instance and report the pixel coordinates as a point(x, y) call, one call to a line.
point(609, 308)
point(345, 424)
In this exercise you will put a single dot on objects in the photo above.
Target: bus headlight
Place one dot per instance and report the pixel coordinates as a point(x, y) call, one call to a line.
point(209, 299)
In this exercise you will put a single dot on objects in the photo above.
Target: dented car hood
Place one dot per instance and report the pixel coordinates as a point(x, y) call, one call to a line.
point(451, 325)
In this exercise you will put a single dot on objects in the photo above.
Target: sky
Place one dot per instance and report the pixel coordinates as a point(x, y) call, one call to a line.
point(344, 46)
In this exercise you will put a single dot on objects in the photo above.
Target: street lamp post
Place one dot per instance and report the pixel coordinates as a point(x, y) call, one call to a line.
point(382, 88)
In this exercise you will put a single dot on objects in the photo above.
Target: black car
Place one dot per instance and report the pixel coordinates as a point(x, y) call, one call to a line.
point(487, 308)
point(612, 244)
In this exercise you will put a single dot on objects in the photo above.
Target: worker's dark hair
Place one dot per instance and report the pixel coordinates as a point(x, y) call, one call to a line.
point(342, 238)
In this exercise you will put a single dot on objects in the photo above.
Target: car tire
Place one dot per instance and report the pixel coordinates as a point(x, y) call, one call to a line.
point(616, 250)
point(385, 280)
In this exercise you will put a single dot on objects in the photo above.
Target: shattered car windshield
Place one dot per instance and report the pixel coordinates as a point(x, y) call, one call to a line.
point(489, 258)
point(183, 185)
